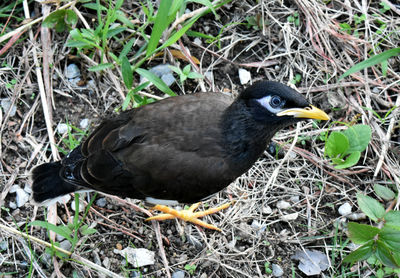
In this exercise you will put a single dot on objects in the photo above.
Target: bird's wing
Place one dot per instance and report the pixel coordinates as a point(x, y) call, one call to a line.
point(161, 150)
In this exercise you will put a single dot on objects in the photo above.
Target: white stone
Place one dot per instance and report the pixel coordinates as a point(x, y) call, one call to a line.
point(6, 104)
point(290, 217)
point(277, 271)
point(197, 41)
point(244, 76)
point(137, 257)
point(12, 205)
point(14, 188)
point(267, 210)
point(84, 123)
point(345, 209)
point(28, 188)
point(22, 197)
point(72, 71)
point(283, 205)
point(63, 128)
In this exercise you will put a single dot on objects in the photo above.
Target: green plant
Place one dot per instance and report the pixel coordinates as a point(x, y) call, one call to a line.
point(186, 73)
point(296, 79)
point(75, 136)
point(267, 268)
point(71, 231)
point(380, 244)
point(61, 20)
point(191, 268)
point(294, 19)
point(344, 148)
point(376, 59)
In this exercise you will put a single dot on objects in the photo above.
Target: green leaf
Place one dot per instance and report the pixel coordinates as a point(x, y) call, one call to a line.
point(392, 219)
point(101, 67)
point(114, 31)
point(391, 237)
point(362, 233)
point(156, 81)
point(132, 92)
point(371, 207)
point(376, 59)
point(350, 160)
point(336, 145)
point(85, 230)
point(60, 20)
point(51, 227)
point(359, 137)
point(127, 48)
point(385, 255)
point(194, 75)
point(361, 253)
point(127, 73)
point(186, 70)
point(95, 7)
point(160, 24)
point(384, 192)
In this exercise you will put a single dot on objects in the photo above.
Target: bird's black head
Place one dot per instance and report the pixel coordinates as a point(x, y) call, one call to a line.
point(274, 103)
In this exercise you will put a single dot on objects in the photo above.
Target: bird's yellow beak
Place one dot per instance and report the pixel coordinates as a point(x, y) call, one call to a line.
point(311, 112)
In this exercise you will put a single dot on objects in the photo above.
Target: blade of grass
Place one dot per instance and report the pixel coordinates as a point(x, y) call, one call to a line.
point(156, 81)
point(372, 61)
point(160, 24)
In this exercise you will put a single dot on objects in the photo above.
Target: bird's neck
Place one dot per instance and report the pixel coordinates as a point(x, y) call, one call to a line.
point(245, 139)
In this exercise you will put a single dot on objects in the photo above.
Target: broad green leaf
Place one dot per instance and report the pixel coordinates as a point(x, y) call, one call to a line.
point(392, 219)
point(160, 24)
point(114, 31)
point(127, 73)
point(385, 255)
point(156, 81)
point(362, 233)
point(361, 253)
point(376, 59)
point(371, 207)
point(350, 160)
point(95, 7)
point(336, 145)
point(101, 67)
point(384, 192)
point(186, 70)
point(391, 237)
point(59, 20)
point(358, 136)
point(58, 230)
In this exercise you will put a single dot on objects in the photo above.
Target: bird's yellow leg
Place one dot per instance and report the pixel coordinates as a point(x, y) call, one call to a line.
point(187, 214)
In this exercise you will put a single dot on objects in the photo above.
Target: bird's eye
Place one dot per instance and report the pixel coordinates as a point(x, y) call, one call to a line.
point(273, 104)
point(276, 102)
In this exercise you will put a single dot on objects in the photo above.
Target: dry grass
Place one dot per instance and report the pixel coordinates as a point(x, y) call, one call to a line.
point(276, 49)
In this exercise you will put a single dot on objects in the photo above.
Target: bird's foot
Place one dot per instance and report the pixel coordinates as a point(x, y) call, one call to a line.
point(188, 214)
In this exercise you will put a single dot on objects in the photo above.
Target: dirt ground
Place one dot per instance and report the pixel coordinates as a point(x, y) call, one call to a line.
point(259, 230)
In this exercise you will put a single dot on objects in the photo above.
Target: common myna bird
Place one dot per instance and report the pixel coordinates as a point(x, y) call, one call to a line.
point(178, 150)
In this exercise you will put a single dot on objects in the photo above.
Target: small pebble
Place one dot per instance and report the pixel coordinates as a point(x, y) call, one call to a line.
point(267, 210)
point(197, 41)
point(137, 257)
point(119, 246)
point(3, 245)
point(164, 72)
point(101, 202)
point(295, 199)
point(66, 245)
point(63, 128)
point(356, 216)
point(283, 205)
point(28, 188)
point(22, 197)
point(81, 206)
point(290, 217)
point(277, 271)
point(178, 274)
point(59, 238)
point(12, 205)
point(106, 262)
point(14, 188)
point(84, 123)
point(6, 104)
point(344, 209)
point(72, 71)
point(244, 76)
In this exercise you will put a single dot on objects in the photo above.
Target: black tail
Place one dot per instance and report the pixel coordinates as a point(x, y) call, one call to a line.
point(55, 179)
point(48, 184)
